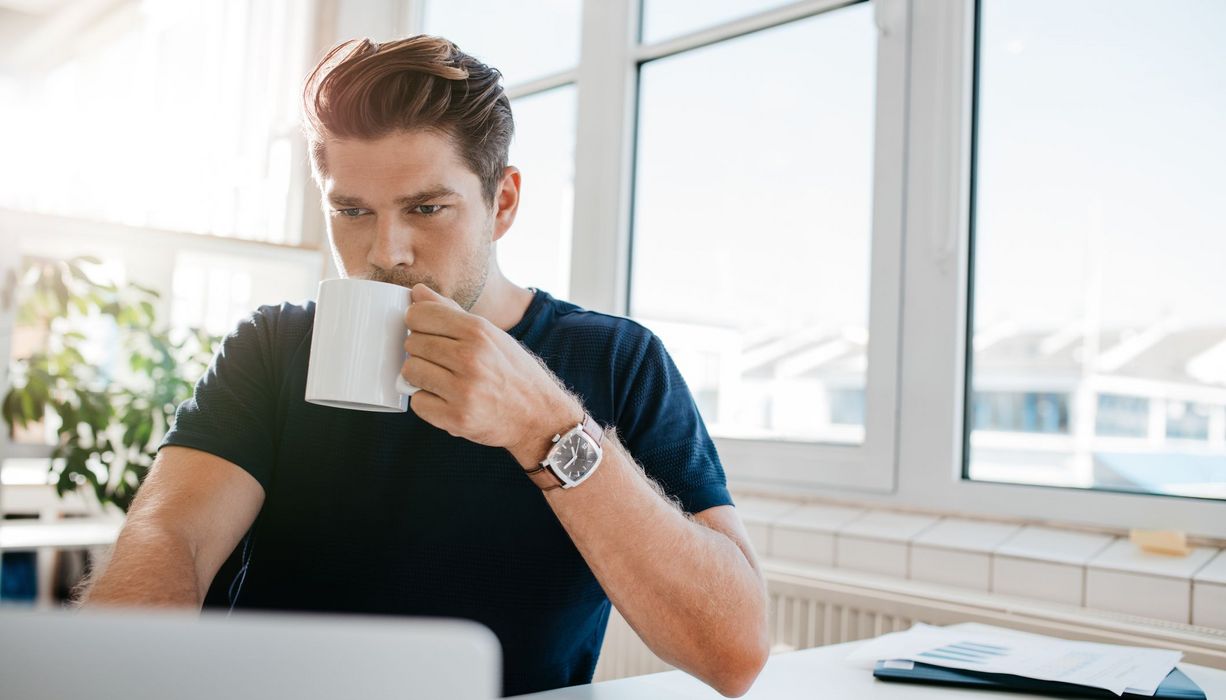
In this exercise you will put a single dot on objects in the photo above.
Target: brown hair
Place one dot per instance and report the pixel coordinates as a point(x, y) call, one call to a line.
point(365, 90)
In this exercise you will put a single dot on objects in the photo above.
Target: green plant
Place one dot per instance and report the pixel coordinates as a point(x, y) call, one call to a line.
point(107, 370)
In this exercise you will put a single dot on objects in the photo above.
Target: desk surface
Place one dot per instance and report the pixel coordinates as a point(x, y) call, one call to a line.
point(71, 533)
point(822, 672)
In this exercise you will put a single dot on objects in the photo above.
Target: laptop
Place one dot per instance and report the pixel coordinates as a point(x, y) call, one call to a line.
point(142, 654)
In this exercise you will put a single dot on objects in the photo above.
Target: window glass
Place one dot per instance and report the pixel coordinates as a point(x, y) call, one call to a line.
point(535, 252)
point(169, 115)
point(752, 222)
point(665, 19)
point(1099, 240)
point(524, 40)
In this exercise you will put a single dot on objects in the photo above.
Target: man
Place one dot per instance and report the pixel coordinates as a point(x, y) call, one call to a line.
point(446, 509)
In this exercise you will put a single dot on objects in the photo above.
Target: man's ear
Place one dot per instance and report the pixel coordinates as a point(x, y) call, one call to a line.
point(506, 201)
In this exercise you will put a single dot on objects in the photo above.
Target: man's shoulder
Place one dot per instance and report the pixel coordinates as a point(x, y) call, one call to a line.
point(574, 324)
point(281, 324)
point(287, 311)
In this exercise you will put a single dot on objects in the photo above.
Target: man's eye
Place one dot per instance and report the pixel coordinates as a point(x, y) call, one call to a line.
point(428, 209)
point(350, 213)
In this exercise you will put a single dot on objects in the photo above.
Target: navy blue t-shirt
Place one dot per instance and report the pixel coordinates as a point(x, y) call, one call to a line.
point(382, 513)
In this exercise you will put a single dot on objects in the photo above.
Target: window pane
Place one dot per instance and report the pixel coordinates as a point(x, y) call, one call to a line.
point(1099, 241)
point(215, 291)
point(169, 115)
point(524, 40)
point(665, 19)
point(752, 222)
point(536, 251)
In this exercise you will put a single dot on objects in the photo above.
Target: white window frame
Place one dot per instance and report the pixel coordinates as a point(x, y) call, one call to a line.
point(934, 335)
point(600, 270)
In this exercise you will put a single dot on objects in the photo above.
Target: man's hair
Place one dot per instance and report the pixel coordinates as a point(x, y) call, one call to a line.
point(365, 90)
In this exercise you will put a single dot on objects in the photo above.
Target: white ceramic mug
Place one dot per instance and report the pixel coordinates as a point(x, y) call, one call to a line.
point(357, 347)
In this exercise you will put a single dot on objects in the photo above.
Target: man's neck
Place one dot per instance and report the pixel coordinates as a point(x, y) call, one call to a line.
point(502, 302)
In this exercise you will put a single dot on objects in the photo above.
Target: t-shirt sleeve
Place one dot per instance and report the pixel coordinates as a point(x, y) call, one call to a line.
point(660, 425)
point(232, 411)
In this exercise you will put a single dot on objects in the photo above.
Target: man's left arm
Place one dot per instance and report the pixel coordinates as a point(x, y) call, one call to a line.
point(689, 586)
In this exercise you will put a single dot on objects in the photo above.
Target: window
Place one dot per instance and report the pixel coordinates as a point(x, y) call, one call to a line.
point(1097, 242)
point(1020, 412)
point(536, 251)
point(1122, 416)
point(1186, 420)
point(753, 220)
point(664, 19)
point(524, 40)
point(169, 115)
point(215, 291)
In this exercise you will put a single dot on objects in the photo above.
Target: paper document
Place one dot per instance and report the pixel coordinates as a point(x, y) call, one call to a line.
point(1112, 667)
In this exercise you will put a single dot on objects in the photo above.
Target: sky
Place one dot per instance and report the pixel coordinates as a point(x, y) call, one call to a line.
point(1102, 151)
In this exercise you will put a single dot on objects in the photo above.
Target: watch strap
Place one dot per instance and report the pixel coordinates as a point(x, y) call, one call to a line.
point(544, 478)
point(593, 429)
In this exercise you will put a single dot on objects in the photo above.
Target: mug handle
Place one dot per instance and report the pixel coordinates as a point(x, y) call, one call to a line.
point(401, 385)
point(404, 387)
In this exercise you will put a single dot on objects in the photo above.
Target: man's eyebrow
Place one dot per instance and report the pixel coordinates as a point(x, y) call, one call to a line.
point(412, 200)
point(426, 196)
point(344, 200)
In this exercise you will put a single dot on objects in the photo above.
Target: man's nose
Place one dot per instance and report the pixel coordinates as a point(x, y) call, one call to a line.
point(393, 244)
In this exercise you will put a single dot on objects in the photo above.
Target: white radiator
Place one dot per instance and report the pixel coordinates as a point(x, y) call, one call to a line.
point(811, 606)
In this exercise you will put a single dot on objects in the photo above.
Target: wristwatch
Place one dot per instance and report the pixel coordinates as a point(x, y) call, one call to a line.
point(573, 457)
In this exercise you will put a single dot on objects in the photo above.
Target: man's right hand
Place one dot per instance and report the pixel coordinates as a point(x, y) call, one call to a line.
point(187, 518)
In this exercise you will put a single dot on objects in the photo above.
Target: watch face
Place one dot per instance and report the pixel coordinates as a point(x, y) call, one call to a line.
point(575, 457)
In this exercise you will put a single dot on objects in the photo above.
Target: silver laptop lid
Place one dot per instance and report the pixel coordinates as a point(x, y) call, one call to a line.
point(141, 654)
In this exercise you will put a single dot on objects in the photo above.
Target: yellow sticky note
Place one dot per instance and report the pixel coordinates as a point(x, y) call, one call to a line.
point(1170, 542)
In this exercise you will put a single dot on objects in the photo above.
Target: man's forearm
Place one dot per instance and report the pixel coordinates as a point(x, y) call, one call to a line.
point(149, 567)
point(688, 590)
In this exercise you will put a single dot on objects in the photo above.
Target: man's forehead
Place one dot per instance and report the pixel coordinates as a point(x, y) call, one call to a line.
point(415, 160)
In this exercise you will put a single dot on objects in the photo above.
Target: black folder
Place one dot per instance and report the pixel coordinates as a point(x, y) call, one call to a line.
point(1176, 684)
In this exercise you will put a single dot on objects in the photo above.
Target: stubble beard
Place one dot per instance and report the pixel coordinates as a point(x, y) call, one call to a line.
point(468, 289)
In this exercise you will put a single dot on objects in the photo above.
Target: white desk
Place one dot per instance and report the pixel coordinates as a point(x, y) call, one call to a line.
point(71, 533)
point(821, 673)
point(46, 537)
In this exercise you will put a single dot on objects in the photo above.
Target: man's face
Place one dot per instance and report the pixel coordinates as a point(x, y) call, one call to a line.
point(406, 209)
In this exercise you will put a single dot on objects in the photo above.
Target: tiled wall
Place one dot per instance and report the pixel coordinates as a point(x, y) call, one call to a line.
point(1091, 570)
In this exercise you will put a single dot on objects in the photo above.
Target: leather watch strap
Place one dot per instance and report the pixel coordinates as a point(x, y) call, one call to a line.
point(544, 478)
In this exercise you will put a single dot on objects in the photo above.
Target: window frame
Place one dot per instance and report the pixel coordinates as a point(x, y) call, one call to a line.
point(932, 442)
point(610, 60)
